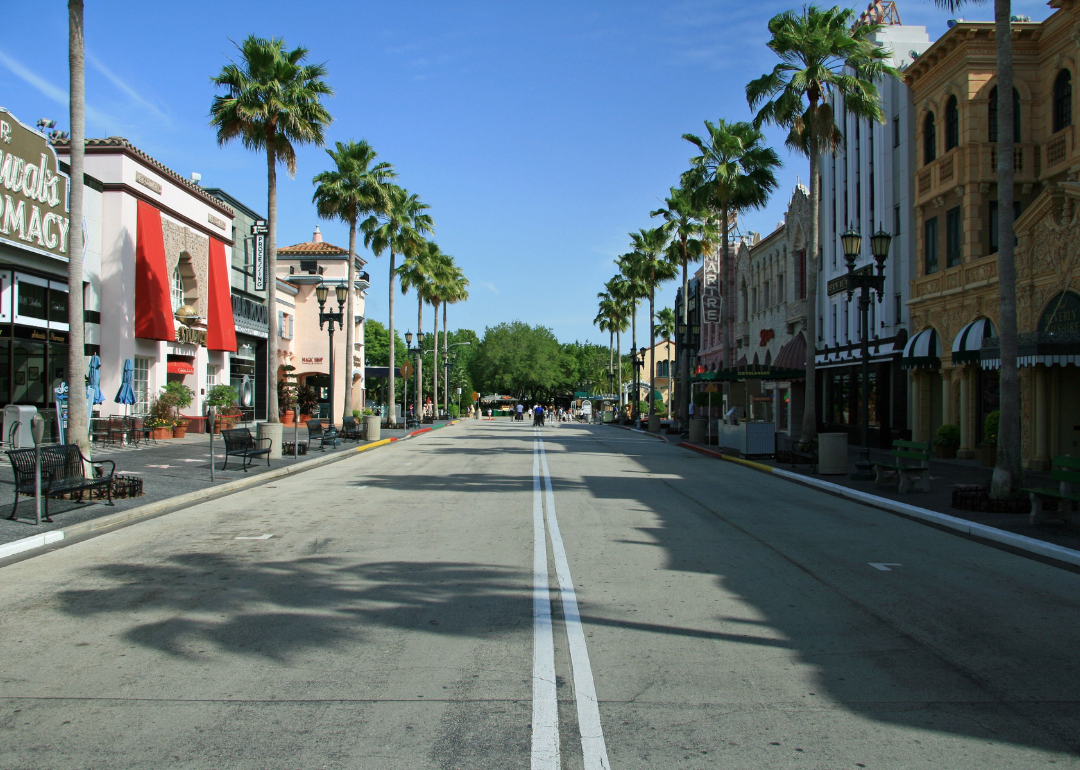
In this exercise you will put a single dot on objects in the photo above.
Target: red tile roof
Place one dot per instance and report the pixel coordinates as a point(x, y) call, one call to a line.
point(314, 249)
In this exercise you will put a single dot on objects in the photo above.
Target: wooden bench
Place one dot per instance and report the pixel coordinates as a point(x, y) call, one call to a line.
point(911, 466)
point(63, 471)
point(240, 443)
point(1066, 471)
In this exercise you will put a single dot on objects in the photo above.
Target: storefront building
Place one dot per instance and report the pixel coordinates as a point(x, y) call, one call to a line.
point(34, 240)
point(164, 242)
point(869, 184)
point(302, 344)
point(954, 354)
point(247, 277)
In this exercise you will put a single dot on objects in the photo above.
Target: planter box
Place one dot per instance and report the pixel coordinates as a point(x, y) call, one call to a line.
point(160, 434)
point(179, 431)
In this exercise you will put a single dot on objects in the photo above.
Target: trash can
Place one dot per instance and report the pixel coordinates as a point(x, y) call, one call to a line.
point(697, 431)
point(372, 427)
point(832, 454)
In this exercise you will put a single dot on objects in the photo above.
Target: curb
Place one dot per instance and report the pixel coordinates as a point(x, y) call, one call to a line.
point(170, 504)
point(963, 526)
point(644, 432)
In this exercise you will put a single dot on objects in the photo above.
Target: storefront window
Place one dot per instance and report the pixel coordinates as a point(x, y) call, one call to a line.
point(58, 306)
point(32, 301)
point(141, 385)
point(177, 290)
point(58, 366)
point(30, 374)
point(5, 373)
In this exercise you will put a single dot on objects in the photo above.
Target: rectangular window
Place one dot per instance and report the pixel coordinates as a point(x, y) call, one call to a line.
point(835, 340)
point(768, 304)
point(847, 322)
point(31, 303)
point(753, 299)
point(896, 131)
point(930, 246)
point(800, 273)
point(896, 221)
point(953, 237)
point(994, 224)
point(898, 309)
point(211, 376)
point(309, 266)
point(781, 297)
point(141, 385)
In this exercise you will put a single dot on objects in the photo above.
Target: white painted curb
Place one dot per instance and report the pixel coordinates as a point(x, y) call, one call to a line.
point(1021, 542)
point(34, 541)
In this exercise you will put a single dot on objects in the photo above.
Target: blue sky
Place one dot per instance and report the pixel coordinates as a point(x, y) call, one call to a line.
point(540, 134)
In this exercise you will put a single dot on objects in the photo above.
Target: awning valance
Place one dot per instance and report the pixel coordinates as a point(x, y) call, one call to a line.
point(923, 351)
point(968, 343)
point(179, 367)
point(793, 354)
point(1034, 348)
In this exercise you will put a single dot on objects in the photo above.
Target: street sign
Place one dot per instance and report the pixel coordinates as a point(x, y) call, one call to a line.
point(840, 284)
point(260, 262)
point(475, 395)
point(406, 370)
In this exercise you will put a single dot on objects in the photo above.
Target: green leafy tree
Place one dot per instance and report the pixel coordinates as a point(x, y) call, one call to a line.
point(355, 187)
point(416, 273)
point(377, 353)
point(665, 327)
point(655, 269)
point(451, 287)
point(620, 311)
point(399, 227)
point(822, 53)
point(272, 101)
point(518, 359)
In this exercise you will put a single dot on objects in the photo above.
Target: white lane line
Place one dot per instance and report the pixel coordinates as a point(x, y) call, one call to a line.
point(545, 720)
point(259, 537)
point(593, 746)
point(884, 566)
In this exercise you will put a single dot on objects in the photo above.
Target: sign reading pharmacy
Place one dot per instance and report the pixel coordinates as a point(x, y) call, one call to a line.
point(33, 191)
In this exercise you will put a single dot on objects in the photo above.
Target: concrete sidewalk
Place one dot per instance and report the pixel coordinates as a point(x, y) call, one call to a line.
point(169, 468)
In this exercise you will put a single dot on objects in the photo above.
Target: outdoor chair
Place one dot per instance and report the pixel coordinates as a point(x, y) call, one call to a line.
point(317, 429)
point(119, 430)
point(140, 432)
point(63, 471)
point(350, 428)
point(240, 443)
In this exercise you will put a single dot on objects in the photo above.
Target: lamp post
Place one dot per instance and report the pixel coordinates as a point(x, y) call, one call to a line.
point(638, 359)
point(341, 292)
point(416, 353)
point(446, 381)
point(865, 280)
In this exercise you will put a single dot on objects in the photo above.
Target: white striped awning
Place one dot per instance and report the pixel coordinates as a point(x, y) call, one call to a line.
point(968, 343)
point(923, 351)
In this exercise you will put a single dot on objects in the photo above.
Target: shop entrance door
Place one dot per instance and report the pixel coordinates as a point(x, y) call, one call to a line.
point(321, 383)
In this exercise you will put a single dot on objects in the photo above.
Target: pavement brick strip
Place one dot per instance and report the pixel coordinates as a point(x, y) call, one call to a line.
point(103, 524)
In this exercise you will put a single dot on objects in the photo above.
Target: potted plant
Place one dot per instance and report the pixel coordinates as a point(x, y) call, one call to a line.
point(179, 396)
point(287, 395)
point(221, 397)
point(987, 450)
point(947, 441)
point(307, 399)
point(160, 417)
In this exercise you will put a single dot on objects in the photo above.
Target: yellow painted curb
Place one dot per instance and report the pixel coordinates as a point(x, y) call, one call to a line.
point(750, 464)
point(374, 444)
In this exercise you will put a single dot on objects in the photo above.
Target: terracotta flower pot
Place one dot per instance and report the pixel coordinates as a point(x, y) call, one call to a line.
point(179, 431)
point(304, 418)
point(162, 433)
point(290, 415)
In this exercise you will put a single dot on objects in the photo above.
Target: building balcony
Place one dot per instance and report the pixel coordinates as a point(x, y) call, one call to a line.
point(1057, 152)
point(976, 163)
point(953, 280)
point(796, 312)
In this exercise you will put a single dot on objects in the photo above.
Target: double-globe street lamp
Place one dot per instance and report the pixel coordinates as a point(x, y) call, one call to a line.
point(341, 291)
point(638, 359)
point(449, 360)
point(865, 280)
point(416, 353)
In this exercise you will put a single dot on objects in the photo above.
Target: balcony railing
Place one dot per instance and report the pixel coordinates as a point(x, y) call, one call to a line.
point(970, 275)
point(1058, 149)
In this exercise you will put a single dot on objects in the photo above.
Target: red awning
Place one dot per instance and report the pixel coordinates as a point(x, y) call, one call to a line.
point(180, 367)
point(153, 303)
point(220, 328)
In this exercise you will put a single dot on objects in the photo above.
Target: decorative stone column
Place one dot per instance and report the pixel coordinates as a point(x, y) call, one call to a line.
point(967, 423)
point(916, 405)
point(1040, 460)
point(946, 397)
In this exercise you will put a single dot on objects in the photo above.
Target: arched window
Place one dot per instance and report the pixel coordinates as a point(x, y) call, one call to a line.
point(1062, 100)
point(952, 124)
point(177, 289)
point(929, 139)
point(993, 115)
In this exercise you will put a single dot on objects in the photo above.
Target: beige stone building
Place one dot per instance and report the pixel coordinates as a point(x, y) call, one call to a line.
point(952, 352)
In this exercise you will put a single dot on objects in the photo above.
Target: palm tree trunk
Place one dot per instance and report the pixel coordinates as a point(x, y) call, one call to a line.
point(652, 352)
point(1008, 472)
point(350, 326)
point(684, 354)
point(809, 422)
point(391, 394)
point(419, 395)
point(618, 347)
point(633, 345)
point(446, 349)
point(77, 418)
point(271, 279)
point(435, 360)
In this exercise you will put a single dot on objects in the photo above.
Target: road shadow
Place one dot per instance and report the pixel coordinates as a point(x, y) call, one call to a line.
point(280, 609)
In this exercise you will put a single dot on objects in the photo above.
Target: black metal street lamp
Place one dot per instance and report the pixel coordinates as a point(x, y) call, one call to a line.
point(865, 280)
point(637, 358)
point(330, 318)
point(415, 352)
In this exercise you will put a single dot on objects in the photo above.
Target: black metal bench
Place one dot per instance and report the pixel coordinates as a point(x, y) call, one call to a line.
point(240, 443)
point(320, 430)
point(1066, 471)
point(904, 469)
point(63, 471)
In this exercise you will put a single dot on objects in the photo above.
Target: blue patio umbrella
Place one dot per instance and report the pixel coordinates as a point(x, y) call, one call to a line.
point(93, 386)
point(126, 394)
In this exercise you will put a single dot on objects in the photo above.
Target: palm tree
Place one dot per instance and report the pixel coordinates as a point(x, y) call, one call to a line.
point(823, 54)
point(620, 312)
point(665, 327)
point(655, 269)
point(272, 101)
point(77, 432)
point(416, 273)
point(400, 227)
point(734, 172)
point(686, 220)
point(456, 289)
point(1009, 470)
point(634, 290)
point(354, 187)
point(441, 266)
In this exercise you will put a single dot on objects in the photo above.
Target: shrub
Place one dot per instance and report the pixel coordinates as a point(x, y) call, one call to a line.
point(948, 435)
point(307, 398)
point(222, 395)
point(990, 427)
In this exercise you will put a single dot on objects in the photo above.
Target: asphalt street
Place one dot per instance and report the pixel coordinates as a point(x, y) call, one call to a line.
point(492, 596)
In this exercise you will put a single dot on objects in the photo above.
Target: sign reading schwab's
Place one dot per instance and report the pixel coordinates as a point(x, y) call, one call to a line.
point(34, 206)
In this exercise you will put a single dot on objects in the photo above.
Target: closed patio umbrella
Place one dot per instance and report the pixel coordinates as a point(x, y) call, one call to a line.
point(126, 394)
point(93, 386)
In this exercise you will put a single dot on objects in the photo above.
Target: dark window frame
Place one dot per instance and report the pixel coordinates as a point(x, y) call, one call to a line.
point(930, 246)
point(954, 237)
point(929, 139)
point(952, 124)
point(1062, 100)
